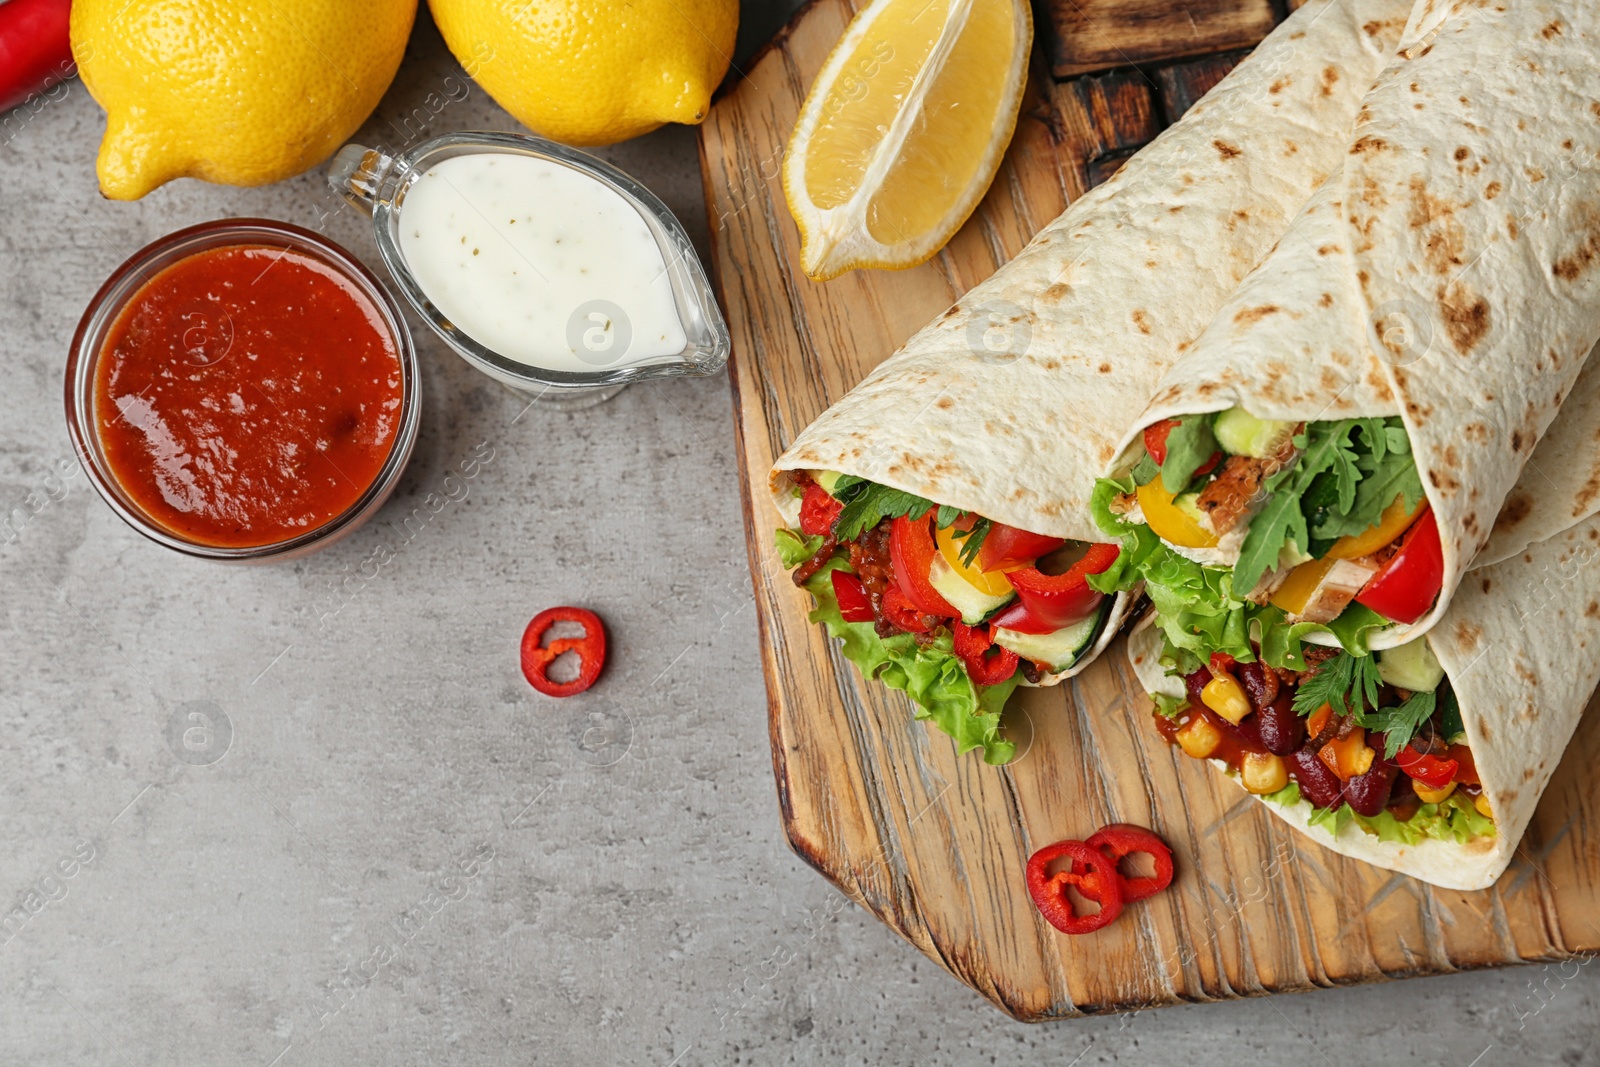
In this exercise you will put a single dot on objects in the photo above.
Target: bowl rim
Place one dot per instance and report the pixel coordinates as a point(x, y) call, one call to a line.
point(125, 282)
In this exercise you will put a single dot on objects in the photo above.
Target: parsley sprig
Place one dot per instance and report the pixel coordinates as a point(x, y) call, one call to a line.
point(1350, 683)
point(867, 503)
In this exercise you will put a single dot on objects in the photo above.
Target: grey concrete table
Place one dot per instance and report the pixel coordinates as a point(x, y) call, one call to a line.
point(398, 852)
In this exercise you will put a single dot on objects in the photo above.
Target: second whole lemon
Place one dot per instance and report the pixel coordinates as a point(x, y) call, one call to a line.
point(593, 72)
point(240, 92)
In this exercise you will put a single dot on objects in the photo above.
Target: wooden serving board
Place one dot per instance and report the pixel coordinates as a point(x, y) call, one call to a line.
point(935, 844)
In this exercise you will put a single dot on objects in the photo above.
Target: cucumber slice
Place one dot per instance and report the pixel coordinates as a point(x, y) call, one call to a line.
point(826, 479)
point(1056, 651)
point(1242, 434)
point(1411, 666)
point(973, 603)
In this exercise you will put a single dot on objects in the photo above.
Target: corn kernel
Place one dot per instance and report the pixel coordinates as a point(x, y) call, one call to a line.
point(1199, 737)
point(1348, 757)
point(1263, 773)
point(1224, 696)
point(1482, 804)
point(1433, 796)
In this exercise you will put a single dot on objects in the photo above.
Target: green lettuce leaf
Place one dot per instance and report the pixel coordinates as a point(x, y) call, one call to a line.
point(794, 548)
point(932, 676)
point(1454, 819)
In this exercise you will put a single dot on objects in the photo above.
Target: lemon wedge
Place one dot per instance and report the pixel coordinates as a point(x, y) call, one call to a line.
point(904, 129)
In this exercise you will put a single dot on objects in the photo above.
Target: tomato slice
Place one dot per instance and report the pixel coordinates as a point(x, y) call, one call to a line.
point(818, 511)
point(1155, 443)
point(1006, 547)
point(1057, 600)
point(911, 551)
point(854, 603)
point(537, 656)
point(1406, 587)
point(986, 662)
point(1431, 771)
point(904, 614)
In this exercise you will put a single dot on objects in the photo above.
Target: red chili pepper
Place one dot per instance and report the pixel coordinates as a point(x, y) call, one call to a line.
point(35, 48)
point(1155, 443)
point(1057, 600)
point(854, 604)
point(986, 662)
point(1006, 546)
point(904, 614)
point(911, 550)
point(1122, 839)
point(1090, 871)
point(537, 657)
point(1406, 587)
point(818, 511)
point(1431, 771)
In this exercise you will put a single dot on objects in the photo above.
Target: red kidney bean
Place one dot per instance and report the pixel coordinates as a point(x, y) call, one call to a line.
point(1248, 733)
point(1260, 684)
point(1368, 794)
point(1317, 784)
point(1282, 731)
point(1196, 682)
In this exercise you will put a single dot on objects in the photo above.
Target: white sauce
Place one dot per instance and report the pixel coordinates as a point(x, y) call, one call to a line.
point(540, 263)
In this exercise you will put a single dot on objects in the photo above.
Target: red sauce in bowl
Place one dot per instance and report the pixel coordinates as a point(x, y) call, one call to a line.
point(247, 394)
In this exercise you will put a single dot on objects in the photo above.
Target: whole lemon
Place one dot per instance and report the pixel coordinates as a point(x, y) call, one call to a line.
point(591, 72)
point(241, 92)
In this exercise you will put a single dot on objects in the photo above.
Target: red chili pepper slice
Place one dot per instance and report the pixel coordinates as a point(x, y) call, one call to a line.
point(35, 48)
point(1005, 547)
point(904, 614)
point(1122, 839)
point(1431, 771)
point(911, 550)
point(537, 657)
point(1091, 872)
point(1406, 587)
point(854, 603)
point(1155, 443)
point(987, 663)
point(1057, 600)
point(818, 511)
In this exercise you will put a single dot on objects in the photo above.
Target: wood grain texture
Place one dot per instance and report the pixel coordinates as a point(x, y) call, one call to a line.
point(935, 845)
point(1092, 35)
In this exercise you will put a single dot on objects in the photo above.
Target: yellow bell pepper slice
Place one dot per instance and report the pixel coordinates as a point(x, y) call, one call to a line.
point(1394, 521)
point(1168, 521)
point(992, 583)
point(1295, 592)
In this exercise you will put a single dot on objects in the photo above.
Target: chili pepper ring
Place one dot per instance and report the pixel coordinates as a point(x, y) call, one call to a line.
point(537, 656)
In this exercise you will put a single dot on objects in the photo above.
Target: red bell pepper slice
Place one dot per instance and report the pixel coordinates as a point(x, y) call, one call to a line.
point(1155, 443)
point(1431, 771)
point(537, 656)
point(911, 550)
point(904, 614)
point(1406, 587)
point(1057, 600)
point(818, 511)
point(986, 662)
point(854, 604)
point(1122, 839)
point(1094, 875)
point(1466, 766)
point(1006, 546)
point(35, 48)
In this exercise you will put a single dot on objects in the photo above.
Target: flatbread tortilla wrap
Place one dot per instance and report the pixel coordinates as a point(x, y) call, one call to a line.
point(1368, 396)
point(981, 439)
point(1517, 650)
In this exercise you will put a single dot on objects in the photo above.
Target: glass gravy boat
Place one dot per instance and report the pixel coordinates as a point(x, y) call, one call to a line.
point(378, 184)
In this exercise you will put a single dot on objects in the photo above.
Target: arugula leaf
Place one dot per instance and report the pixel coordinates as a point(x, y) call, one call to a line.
point(1344, 682)
point(1189, 445)
point(872, 503)
point(1276, 524)
point(972, 540)
point(1399, 725)
point(794, 549)
point(931, 675)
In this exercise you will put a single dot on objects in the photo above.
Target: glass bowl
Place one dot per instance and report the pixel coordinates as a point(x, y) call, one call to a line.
point(102, 314)
point(377, 184)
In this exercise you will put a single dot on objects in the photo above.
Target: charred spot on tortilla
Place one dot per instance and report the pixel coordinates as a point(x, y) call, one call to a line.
point(1585, 496)
point(1330, 78)
point(1468, 633)
point(1486, 584)
point(1368, 144)
point(1492, 190)
point(1570, 268)
point(1280, 85)
point(1226, 150)
point(1476, 432)
point(1466, 316)
point(1247, 316)
point(1326, 300)
point(1141, 319)
point(1445, 483)
point(944, 403)
point(1058, 291)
